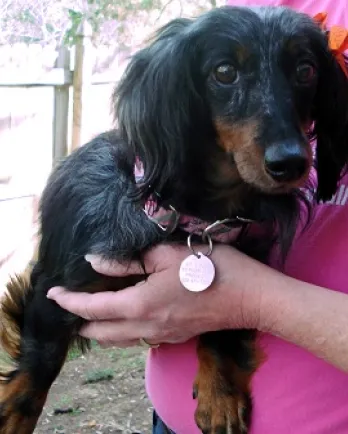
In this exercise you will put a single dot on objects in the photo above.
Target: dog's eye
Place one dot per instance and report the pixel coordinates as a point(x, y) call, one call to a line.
point(305, 72)
point(226, 74)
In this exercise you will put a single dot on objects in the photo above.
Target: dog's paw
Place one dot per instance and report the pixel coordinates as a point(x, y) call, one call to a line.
point(221, 410)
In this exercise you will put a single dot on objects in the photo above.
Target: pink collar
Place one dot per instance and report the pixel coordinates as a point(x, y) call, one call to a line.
point(223, 231)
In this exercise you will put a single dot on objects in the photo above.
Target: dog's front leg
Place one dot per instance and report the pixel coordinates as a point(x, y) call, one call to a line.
point(227, 360)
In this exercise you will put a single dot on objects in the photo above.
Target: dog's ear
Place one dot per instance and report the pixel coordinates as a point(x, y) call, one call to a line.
point(156, 104)
point(331, 125)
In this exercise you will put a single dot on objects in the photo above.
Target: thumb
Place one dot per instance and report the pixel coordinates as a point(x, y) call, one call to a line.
point(113, 268)
point(156, 259)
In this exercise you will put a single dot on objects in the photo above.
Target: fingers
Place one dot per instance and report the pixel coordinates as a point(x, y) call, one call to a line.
point(125, 334)
point(100, 306)
point(113, 268)
point(108, 326)
point(115, 332)
point(156, 259)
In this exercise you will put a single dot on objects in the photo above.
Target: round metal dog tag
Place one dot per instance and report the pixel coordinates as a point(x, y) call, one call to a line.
point(197, 272)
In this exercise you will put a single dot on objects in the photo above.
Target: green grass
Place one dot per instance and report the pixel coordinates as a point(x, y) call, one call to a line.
point(65, 405)
point(74, 353)
point(99, 375)
point(63, 402)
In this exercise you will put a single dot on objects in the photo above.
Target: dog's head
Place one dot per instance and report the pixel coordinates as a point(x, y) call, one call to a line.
point(223, 105)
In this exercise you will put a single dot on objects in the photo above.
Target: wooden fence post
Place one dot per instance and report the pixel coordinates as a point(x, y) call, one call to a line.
point(83, 69)
point(61, 110)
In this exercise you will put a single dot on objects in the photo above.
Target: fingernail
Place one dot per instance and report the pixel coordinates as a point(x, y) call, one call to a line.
point(53, 292)
point(92, 258)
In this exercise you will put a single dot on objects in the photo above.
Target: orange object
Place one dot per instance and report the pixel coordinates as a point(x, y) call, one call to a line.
point(321, 19)
point(338, 40)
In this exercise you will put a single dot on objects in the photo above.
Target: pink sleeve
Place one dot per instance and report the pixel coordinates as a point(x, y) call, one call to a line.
point(337, 10)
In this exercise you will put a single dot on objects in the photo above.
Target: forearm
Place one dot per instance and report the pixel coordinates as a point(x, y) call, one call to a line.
point(312, 317)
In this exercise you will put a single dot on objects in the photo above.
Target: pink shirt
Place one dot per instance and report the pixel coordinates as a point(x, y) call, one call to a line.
point(293, 391)
point(337, 9)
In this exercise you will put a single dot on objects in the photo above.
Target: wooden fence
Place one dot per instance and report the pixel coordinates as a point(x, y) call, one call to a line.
point(62, 78)
point(71, 81)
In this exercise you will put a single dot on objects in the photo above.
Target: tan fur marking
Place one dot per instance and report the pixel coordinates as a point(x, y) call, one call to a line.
point(240, 141)
point(11, 308)
point(12, 421)
point(221, 391)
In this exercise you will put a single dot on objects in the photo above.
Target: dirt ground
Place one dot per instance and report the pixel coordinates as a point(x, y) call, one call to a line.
point(100, 393)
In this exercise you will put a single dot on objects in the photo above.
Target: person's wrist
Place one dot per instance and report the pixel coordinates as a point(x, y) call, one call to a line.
point(259, 292)
point(239, 290)
point(273, 302)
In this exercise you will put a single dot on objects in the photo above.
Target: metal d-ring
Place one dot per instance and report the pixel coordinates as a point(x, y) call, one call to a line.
point(210, 245)
point(244, 220)
point(212, 226)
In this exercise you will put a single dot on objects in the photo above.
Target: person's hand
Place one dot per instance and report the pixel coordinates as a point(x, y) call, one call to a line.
point(160, 309)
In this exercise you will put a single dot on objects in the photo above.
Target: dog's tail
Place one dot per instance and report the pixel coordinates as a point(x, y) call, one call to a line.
point(11, 318)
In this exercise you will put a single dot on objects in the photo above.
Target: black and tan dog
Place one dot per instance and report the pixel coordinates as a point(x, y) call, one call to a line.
point(221, 111)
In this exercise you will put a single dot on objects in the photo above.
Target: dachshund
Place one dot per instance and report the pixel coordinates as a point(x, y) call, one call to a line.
point(224, 113)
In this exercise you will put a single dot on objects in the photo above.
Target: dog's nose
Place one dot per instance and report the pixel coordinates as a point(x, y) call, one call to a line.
point(286, 162)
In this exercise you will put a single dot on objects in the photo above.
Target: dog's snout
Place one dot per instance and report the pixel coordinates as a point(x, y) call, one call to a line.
point(286, 162)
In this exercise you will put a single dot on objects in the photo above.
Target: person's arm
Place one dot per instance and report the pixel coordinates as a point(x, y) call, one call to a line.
point(245, 294)
point(310, 316)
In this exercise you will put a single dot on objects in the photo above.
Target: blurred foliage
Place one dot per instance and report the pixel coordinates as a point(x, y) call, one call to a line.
point(58, 21)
